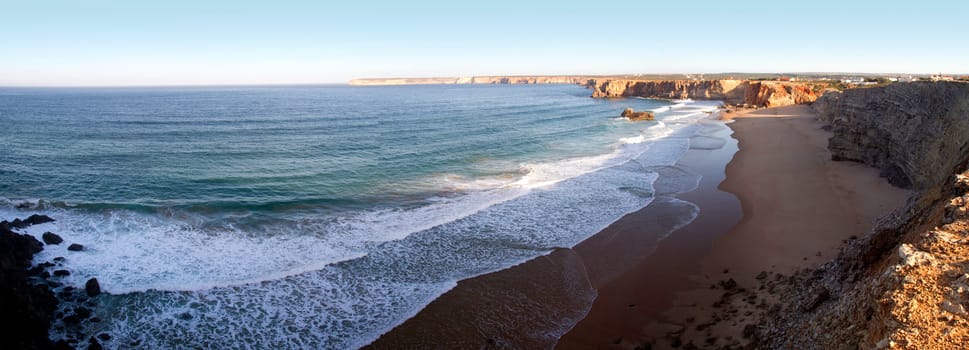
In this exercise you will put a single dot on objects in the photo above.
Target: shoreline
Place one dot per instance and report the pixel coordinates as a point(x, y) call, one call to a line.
point(637, 298)
point(686, 288)
point(553, 292)
point(790, 222)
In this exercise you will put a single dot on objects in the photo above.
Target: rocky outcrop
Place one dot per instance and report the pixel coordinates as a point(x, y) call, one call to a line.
point(27, 307)
point(736, 92)
point(905, 283)
point(632, 115)
point(915, 133)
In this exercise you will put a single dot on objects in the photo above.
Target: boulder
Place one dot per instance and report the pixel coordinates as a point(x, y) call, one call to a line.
point(38, 219)
point(74, 247)
point(31, 220)
point(51, 238)
point(92, 287)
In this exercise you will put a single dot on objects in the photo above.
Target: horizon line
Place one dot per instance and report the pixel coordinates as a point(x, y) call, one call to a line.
point(348, 82)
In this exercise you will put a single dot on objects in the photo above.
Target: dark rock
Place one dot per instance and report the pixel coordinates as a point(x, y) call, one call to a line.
point(37, 219)
point(762, 275)
point(93, 344)
point(59, 259)
point(51, 238)
point(27, 309)
point(61, 273)
point(95, 320)
point(676, 342)
point(82, 312)
point(74, 247)
point(728, 284)
point(72, 319)
point(63, 345)
point(92, 287)
point(818, 297)
point(104, 336)
point(750, 331)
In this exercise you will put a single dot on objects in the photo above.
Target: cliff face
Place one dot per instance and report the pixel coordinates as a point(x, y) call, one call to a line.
point(915, 133)
point(754, 93)
point(904, 284)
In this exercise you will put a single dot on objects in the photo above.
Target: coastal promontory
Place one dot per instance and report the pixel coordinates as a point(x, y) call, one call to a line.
point(735, 92)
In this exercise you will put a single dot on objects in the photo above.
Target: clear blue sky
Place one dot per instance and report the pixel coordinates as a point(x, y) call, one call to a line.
point(228, 42)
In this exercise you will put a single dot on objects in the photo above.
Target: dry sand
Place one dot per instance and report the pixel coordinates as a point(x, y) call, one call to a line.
point(798, 208)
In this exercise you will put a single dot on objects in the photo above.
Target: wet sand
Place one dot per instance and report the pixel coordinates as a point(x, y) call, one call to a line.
point(531, 305)
point(636, 299)
point(798, 209)
point(780, 204)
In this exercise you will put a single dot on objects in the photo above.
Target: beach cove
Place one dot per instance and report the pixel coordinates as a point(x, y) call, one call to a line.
point(759, 214)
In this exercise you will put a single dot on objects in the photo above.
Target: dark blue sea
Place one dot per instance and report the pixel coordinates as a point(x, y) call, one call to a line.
point(317, 216)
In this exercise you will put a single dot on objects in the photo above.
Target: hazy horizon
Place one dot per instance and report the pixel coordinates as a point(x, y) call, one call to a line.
point(108, 43)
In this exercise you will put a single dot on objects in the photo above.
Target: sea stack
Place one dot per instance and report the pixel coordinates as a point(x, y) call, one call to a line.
point(632, 115)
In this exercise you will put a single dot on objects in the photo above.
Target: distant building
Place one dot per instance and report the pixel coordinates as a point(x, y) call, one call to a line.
point(941, 77)
point(907, 79)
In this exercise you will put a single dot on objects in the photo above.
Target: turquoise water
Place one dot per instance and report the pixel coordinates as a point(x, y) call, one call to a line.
point(317, 216)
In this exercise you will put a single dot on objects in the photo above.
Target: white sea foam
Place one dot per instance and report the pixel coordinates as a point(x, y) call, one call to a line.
point(341, 282)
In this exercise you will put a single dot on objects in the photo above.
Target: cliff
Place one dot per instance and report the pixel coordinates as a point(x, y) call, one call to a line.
point(916, 133)
point(737, 92)
point(537, 79)
point(904, 284)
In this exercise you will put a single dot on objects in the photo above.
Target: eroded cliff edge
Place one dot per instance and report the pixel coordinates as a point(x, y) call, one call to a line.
point(734, 92)
point(904, 284)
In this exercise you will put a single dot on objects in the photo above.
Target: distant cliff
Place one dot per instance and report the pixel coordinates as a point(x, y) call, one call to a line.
point(538, 79)
point(738, 92)
point(905, 283)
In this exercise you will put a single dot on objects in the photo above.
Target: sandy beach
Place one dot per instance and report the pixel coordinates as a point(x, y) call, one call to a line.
point(799, 207)
point(780, 205)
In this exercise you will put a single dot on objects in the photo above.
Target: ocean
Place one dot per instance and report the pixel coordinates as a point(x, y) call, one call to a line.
point(318, 216)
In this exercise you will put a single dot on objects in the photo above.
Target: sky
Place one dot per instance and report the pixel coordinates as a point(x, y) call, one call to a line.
point(173, 42)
